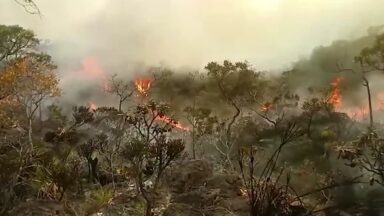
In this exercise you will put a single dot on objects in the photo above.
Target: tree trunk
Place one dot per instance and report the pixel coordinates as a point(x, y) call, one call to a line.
point(309, 126)
point(230, 142)
point(148, 208)
point(30, 133)
point(120, 104)
point(94, 169)
point(147, 198)
point(366, 84)
point(40, 118)
point(89, 170)
point(193, 143)
point(112, 174)
point(193, 130)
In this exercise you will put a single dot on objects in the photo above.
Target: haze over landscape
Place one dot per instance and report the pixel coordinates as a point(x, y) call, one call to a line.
point(101, 37)
point(270, 34)
point(192, 107)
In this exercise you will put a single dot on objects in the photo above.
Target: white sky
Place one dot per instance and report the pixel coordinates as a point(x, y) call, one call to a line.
point(270, 34)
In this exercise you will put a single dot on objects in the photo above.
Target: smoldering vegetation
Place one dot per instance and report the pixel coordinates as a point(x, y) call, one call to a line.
point(226, 140)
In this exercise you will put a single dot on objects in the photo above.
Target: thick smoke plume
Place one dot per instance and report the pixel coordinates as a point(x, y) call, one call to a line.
point(91, 40)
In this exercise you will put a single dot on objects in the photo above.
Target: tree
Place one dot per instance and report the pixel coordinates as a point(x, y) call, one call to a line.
point(115, 127)
point(203, 123)
point(273, 100)
point(373, 56)
point(234, 82)
point(60, 168)
point(363, 72)
point(265, 194)
point(55, 119)
point(88, 149)
point(13, 165)
point(30, 80)
point(16, 41)
point(370, 59)
point(367, 154)
point(310, 108)
point(29, 6)
point(26, 77)
point(120, 88)
point(151, 149)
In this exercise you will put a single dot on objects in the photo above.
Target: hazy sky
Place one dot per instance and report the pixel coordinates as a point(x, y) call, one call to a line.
point(267, 33)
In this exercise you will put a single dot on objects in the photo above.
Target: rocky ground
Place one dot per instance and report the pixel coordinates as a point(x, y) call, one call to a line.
point(190, 189)
point(196, 190)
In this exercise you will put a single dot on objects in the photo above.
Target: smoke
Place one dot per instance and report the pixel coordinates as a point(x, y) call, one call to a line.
point(125, 37)
point(326, 62)
point(268, 33)
point(324, 66)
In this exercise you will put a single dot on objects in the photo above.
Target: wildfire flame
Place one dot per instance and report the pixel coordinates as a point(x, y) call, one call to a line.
point(92, 106)
point(143, 85)
point(380, 101)
point(335, 97)
point(265, 107)
point(243, 192)
point(91, 69)
point(359, 112)
point(171, 122)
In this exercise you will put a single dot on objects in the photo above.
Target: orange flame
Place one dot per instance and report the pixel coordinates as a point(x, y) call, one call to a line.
point(171, 122)
point(335, 97)
point(243, 192)
point(380, 101)
point(265, 107)
point(91, 69)
point(92, 106)
point(358, 113)
point(362, 112)
point(143, 85)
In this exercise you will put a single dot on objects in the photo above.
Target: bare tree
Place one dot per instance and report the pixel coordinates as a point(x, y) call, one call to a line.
point(152, 150)
point(265, 195)
point(234, 82)
point(29, 6)
point(310, 108)
point(202, 122)
point(370, 59)
point(122, 89)
point(113, 123)
point(363, 72)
